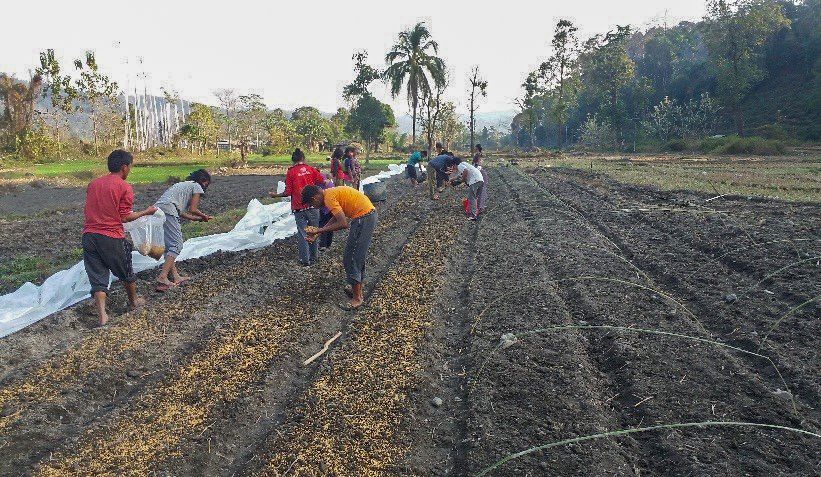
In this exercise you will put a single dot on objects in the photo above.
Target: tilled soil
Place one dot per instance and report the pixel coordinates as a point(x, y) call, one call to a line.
point(209, 379)
point(48, 222)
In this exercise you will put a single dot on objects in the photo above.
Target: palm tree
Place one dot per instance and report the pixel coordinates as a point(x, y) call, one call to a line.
point(410, 59)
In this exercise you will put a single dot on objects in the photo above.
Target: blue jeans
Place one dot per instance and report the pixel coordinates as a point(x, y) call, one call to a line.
point(307, 252)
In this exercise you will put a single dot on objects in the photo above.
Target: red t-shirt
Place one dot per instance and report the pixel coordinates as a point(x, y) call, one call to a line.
point(298, 176)
point(108, 200)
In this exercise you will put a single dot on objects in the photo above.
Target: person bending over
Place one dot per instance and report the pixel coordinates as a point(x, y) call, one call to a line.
point(353, 210)
point(475, 182)
point(180, 201)
point(438, 173)
point(105, 251)
point(413, 163)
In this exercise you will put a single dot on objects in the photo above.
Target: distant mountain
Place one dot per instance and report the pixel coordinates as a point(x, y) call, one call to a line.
point(498, 119)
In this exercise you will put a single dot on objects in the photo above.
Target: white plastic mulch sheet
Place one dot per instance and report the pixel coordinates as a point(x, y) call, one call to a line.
point(259, 227)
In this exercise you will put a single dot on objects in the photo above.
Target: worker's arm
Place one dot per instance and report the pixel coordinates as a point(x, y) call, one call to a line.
point(194, 212)
point(132, 216)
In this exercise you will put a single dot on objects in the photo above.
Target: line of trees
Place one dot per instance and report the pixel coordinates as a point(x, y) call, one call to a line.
point(689, 80)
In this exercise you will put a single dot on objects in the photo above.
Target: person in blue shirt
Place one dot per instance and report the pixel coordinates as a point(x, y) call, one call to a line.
point(438, 173)
point(413, 162)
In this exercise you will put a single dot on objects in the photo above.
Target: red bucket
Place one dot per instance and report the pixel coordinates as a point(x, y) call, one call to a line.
point(466, 204)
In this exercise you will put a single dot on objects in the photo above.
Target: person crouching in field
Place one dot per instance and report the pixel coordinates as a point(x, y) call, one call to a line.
point(298, 176)
point(413, 163)
point(438, 173)
point(476, 184)
point(105, 251)
point(353, 210)
point(180, 201)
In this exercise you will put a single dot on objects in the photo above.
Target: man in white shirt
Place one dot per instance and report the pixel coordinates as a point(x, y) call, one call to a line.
point(471, 176)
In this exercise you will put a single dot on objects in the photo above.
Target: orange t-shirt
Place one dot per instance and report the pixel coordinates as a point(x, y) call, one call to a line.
point(353, 203)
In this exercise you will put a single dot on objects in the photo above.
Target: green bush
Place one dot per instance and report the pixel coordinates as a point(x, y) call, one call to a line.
point(754, 145)
point(675, 145)
point(772, 131)
point(267, 151)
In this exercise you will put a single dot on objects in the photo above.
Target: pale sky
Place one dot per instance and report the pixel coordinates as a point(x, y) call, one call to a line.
point(299, 53)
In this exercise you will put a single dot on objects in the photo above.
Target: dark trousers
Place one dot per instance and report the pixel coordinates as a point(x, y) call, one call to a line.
point(360, 234)
point(104, 256)
point(307, 251)
point(328, 237)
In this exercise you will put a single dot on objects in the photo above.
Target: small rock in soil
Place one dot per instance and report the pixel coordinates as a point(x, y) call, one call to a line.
point(543, 465)
point(132, 373)
point(436, 402)
point(6, 412)
point(730, 298)
point(780, 393)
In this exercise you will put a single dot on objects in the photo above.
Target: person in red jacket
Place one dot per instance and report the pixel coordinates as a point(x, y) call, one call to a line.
point(298, 176)
point(105, 251)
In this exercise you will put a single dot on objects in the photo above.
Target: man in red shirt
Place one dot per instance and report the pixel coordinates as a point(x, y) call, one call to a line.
point(298, 176)
point(105, 251)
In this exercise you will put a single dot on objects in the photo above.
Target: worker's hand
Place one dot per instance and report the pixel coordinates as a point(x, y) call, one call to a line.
point(206, 218)
point(273, 194)
point(150, 210)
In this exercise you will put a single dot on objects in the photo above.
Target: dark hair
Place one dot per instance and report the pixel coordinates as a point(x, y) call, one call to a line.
point(308, 193)
point(199, 176)
point(448, 153)
point(349, 149)
point(119, 158)
point(456, 161)
point(424, 153)
point(338, 153)
point(439, 145)
point(298, 155)
point(479, 147)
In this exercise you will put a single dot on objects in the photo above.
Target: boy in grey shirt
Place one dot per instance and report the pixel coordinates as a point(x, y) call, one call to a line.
point(181, 200)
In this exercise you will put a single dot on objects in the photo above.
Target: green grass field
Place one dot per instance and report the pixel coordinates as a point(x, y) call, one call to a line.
point(147, 171)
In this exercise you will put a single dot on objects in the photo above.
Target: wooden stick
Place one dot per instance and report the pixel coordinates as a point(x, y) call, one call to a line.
point(323, 350)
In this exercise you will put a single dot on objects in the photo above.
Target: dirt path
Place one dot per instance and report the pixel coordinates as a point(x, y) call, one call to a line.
point(209, 380)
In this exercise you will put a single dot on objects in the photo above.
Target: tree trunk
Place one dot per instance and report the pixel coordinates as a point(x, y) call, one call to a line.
point(738, 116)
point(94, 125)
point(367, 152)
point(413, 142)
point(472, 122)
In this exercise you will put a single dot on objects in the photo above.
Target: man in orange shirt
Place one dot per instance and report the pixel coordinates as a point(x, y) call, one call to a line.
point(350, 209)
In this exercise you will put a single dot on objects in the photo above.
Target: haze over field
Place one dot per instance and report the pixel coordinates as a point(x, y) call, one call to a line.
point(298, 54)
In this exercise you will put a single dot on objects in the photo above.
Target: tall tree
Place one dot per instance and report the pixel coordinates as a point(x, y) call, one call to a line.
point(97, 93)
point(368, 120)
point(560, 74)
point(450, 128)
point(412, 61)
point(478, 89)
point(60, 91)
point(200, 127)
point(734, 31)
point(608, 70)
point(365, 75)
point(431, 107)
point(310, 126)
point(229, 101)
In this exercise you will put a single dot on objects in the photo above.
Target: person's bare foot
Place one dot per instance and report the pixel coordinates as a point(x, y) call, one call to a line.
point(103, 318)
point(138, 302)
point(179, 279)
point(166, 282)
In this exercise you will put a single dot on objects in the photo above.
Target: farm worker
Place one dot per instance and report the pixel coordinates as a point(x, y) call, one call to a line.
point(337, 171)
point(298, 176)
point(438, 173)
point(440, 149)
point(479, 162)
point(350, 209)
point(325, 216)
point(105, 251)
point(413, 162)
point(352, 167)
point(180, 201)
point(475, 182)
